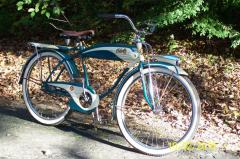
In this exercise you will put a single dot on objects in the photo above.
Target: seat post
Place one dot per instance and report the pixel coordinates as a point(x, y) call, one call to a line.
point(67, 41)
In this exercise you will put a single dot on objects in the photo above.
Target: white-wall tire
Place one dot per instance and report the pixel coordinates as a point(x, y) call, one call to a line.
point(195, 112)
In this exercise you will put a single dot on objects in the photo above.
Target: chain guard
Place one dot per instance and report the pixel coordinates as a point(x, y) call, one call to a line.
point(76, 90)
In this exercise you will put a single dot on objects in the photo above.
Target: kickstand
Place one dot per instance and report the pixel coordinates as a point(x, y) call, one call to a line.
point(96, 117)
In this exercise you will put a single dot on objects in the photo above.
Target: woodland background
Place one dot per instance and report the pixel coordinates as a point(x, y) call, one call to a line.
point(205, 34)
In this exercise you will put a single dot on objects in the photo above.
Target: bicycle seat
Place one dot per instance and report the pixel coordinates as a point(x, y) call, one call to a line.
point(81, 35)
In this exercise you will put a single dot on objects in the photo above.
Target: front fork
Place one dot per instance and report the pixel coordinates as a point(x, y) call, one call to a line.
point(148, 49)
point(144, 87)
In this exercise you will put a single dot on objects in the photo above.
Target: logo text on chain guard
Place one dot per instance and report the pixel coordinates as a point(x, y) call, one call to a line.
point(121, 51)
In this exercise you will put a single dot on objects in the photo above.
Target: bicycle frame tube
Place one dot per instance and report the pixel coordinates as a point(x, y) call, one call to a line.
point(85, 53)
point(110, 90)
point(54, 69)
point(86, 78)
point(162, 62)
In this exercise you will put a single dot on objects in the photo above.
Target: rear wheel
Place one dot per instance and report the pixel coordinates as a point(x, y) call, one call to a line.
point(47, 108)
point(174, 121)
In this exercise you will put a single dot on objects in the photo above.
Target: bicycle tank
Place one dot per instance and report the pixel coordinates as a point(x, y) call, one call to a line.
point(118, 52)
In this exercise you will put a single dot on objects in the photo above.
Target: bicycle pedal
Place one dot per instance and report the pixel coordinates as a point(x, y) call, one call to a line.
point(111, 105)
point(104, 122)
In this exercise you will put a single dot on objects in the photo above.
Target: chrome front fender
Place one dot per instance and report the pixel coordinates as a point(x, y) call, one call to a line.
point(170, 62)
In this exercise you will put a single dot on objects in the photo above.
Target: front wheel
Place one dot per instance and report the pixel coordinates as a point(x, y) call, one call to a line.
point(175, 121)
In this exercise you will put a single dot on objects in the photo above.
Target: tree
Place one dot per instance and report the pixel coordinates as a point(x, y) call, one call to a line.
point(210, 18)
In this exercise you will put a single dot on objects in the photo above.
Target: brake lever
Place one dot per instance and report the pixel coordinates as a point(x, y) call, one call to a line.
point(152, 27)
point(149, 28)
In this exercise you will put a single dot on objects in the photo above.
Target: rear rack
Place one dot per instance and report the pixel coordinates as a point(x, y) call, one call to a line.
point(49, 46)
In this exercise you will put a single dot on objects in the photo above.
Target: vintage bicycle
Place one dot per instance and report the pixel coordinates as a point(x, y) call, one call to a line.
point(155, 103)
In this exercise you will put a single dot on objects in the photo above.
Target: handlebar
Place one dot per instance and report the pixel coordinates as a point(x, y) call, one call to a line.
point(110, 16)
point(121, 16)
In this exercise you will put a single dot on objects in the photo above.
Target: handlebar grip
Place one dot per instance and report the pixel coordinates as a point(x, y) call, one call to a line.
point(119, 16)
point(111, 16)
point(108, 16)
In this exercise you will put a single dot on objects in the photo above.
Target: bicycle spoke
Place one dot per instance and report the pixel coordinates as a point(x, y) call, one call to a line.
point(126, 108)
point(40, 65)
point(34, 80)
point(49, 68)
point(171, 89)
point(156, 136)
point(163, 93)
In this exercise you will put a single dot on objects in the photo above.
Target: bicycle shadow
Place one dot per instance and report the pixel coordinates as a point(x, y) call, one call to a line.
point(18, 112)
point(102, 135)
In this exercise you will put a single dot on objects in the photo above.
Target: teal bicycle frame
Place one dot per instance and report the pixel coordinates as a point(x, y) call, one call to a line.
point(114, 52)
point(117, 52)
